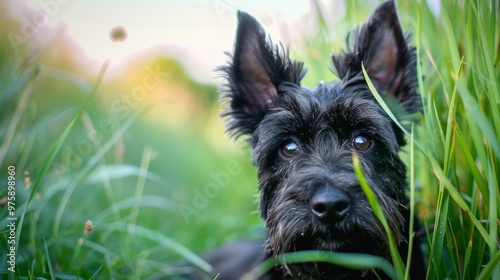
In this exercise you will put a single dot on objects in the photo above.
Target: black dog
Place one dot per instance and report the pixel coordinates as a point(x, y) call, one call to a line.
point(303, 142)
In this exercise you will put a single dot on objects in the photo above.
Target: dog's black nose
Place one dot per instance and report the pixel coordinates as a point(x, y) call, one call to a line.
point(330, 204)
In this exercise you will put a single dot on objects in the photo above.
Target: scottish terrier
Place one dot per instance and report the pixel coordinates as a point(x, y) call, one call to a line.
point(303, 141)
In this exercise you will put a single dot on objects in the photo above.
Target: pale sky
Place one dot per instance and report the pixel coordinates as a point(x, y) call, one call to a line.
point(193, 31)
point(196, 32)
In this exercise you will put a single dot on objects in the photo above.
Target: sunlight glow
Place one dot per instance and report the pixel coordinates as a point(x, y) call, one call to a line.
point(197, 32)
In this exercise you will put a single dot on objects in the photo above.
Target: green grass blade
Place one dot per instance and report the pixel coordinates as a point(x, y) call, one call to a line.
point(493, 216)
point(412, 205)
point(455, 194)
point(348, 260)
point(120, 171)
point(96, 272)
point(381, 101)
point(467, 257)
point(481, 120)
point(472, 165)
point(170, 244)
point(82, 173)
point(490, 268)
point(438, 235)
point(379, 213)
point(56, 147)
point(450, 38)
point(418, 46)
point(18, 113)
point(139, 188)
point(451, 123)
point(49, 261)
point(146, 201)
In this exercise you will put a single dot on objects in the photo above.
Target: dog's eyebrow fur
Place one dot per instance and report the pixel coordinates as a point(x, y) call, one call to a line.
point(360, 112)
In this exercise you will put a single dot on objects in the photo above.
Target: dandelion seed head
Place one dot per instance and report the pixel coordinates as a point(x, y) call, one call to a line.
point(88, 227)
point(118, 34)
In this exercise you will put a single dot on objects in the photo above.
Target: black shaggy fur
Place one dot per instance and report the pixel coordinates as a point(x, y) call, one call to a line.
point(303, 142)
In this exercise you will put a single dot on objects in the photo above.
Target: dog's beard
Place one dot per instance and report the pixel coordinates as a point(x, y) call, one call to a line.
point(292, 227)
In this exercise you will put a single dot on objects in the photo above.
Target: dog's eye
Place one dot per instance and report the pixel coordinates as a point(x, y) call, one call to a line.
point(290, 149)
point(362, 143)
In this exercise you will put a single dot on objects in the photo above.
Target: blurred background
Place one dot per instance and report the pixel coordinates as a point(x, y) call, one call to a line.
point(147, 161)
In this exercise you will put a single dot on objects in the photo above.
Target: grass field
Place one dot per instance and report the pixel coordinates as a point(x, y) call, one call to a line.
point(140, 170)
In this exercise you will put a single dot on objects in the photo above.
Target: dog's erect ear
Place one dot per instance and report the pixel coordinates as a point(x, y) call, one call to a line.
point(383, 49)
point(253, 76)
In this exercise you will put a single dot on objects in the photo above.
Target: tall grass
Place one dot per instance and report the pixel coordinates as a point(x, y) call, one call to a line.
point(460, 156)
point(130, 186)
point(70, 169)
